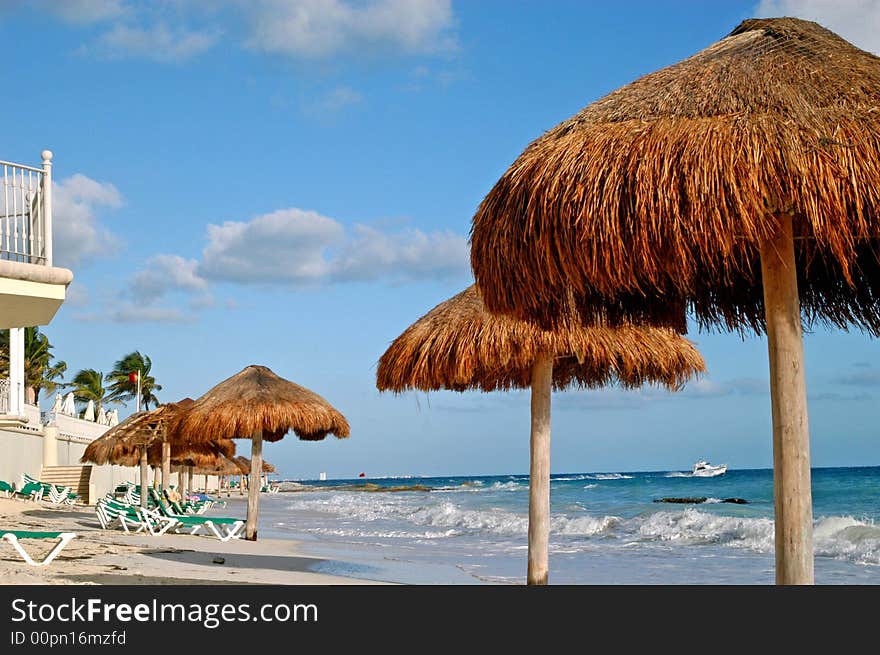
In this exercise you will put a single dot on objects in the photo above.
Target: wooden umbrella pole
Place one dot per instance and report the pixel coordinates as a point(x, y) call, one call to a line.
point(792, 494)
point(539, 473)
point(144, 475)
point(166, 465)
point(254, 485)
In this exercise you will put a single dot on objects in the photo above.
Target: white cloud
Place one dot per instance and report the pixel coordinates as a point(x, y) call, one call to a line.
point(286, 246)
point(857, 21)
point(321, 28)
point(163, 274)
point(147, 314)
point(410, 254)
point(75, 228)
point(159, 42)
point(83, 12)
point(299, 247)
point(333, 102)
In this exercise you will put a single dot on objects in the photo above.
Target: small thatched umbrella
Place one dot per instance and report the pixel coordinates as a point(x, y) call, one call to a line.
point(144, 439)
point(134, 435)
point(244, 465)
point(256, 404)
point(729, 182)
point(459, 345)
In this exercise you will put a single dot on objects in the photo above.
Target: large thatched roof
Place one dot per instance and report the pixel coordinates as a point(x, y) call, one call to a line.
point(658, 194)
point(257, 399)
point(459, 345)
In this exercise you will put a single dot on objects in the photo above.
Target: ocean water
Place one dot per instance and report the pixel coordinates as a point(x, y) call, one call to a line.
point(605, 527)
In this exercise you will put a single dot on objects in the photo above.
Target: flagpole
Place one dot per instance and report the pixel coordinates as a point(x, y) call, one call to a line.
point(139, 390)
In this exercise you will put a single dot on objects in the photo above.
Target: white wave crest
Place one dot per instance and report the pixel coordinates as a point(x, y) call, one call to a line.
point(695, 527)
point(844, 537)
point(590, 486)
point(608, 476)
point(678, 474)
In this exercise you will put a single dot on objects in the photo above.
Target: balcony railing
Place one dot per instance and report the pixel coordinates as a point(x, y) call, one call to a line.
point(26, 212)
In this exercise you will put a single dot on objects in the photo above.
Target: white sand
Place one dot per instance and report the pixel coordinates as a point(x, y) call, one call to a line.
point(99, 556)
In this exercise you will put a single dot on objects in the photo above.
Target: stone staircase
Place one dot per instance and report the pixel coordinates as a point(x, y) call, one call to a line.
point(75, 477)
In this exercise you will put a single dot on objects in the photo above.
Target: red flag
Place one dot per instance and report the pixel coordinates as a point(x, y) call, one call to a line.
point(133, 377)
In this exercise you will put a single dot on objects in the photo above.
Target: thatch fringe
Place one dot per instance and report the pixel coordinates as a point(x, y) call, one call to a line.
point(258, 399)
point(659, 194)
point(244, 465)
point(459, 345)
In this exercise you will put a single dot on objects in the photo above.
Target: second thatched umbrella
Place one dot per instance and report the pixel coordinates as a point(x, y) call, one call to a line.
point(130, 439)
point(257, 404)
point(459, 345)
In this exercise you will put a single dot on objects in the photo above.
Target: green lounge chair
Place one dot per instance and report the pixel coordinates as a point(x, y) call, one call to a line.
point(110, 512)
point(55, 494)
point(14, 537)
point(30, 491)
point(231, 527)
point(6, 489)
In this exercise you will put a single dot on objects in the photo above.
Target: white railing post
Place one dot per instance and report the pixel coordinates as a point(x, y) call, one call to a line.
point(47, 205)
point(16, 371)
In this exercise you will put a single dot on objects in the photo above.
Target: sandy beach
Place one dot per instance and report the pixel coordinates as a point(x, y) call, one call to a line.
point(99, 556)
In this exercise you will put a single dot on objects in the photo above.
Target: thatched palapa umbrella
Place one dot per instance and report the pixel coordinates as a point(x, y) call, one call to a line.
point(144, 439)
point(459, 345)
point(744, 182)
point(244, 466)
point(256, 404)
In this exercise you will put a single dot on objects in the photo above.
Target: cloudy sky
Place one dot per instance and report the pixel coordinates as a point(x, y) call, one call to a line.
point(291, 183)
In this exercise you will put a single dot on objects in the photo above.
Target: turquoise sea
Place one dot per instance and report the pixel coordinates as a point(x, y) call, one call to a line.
point(606, 527)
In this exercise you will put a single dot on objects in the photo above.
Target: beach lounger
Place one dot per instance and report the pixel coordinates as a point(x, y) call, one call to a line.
point(55, 494)
point(6, 489)
point(222, 527)
point(14, 537)
point(111, 512)
point(30, 491)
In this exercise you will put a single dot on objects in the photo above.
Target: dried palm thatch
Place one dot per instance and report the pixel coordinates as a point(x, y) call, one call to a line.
point(459, 345)
point(659, 194)
point(139, 429)
point(121, 453)
point(214, 465)
point(257, 399)
point(121, 444)
point(244, 465)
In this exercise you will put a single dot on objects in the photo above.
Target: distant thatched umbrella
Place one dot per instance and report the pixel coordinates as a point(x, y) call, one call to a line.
point(727, 182)
point(256, 404)
point(144, 438)
point(244, 465)
point(459, 345)
point(131, 438)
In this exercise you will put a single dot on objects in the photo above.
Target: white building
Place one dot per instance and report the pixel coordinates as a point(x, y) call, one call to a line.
point(31, 291)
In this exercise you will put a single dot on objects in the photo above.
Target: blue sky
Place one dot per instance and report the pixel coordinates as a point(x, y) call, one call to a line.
point(291, 183)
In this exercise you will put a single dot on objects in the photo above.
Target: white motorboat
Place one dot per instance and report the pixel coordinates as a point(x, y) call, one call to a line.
point(704, 469)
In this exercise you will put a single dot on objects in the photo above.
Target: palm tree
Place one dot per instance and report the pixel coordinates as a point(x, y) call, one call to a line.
point(40, 372)
point(123, 389)
point(88, 385)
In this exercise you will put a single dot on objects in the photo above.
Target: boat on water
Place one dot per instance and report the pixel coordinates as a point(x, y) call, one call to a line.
point(703, 469)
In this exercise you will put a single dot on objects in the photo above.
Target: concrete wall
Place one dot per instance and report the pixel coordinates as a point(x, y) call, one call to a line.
point(21, 451)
